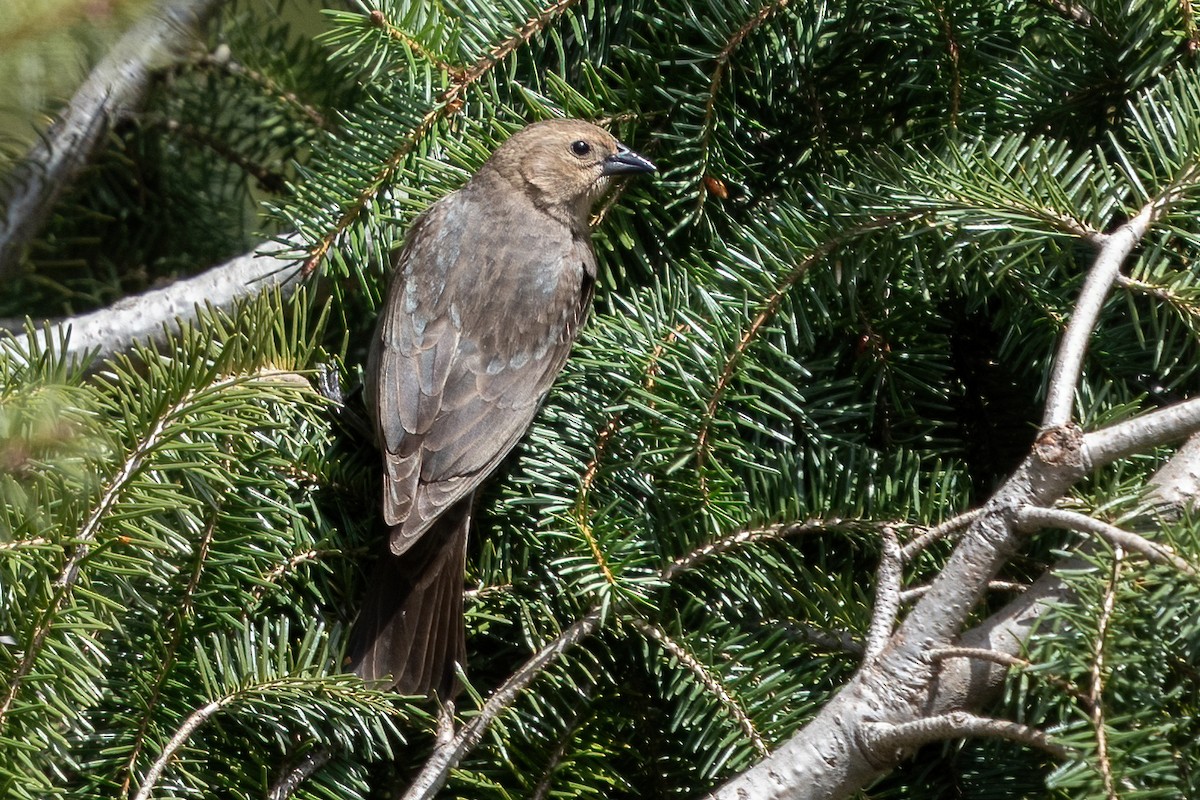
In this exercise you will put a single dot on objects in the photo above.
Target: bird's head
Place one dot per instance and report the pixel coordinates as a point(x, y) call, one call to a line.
point(565, 165)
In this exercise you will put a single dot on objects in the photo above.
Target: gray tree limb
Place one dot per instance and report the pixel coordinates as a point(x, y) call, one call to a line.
point(148, 317)
point(836, 754)
point(116, 87)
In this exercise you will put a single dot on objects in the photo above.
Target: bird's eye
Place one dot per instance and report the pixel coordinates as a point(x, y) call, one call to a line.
point(581, 148)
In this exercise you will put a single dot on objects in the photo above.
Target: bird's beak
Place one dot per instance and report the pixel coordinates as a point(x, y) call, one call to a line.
point(624, 162)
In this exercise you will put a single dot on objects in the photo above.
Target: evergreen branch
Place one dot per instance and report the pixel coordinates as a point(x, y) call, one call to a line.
point(887, 595)
point(541, 791)
point(150, 317)
point(1096, 690)
point(1115, 248)
point(266, 178)
point(455, 72)
point(447, 756)
point(952, 50)
point(613, 424)
point(221, 59)
point(176, 625)
point(1032, 517)
point(449, 103)
point(279, 570)
point(886, 738)
point(598, 556)
point(159, 432)
point(706, 678)
point(1183, 305)
point(286, 685)
point(115, 88)
point(783, 530)
point(916, 546)
point(178, 740)
point(767, 310)
point(723, 59)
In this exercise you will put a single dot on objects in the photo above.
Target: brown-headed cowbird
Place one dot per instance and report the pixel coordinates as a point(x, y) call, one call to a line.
point(488, 295)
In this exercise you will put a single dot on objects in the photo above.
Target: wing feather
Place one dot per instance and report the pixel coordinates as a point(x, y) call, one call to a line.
point(478, 322)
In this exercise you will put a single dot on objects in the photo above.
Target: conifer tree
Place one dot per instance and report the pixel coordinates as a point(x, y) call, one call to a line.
point(863, 480)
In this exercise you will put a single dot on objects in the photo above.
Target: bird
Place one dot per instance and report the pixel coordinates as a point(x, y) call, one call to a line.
point(487, 296)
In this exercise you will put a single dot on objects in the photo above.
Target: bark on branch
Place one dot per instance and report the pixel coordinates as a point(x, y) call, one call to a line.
point(147, 317)
point(116, 87)
point(907, 691)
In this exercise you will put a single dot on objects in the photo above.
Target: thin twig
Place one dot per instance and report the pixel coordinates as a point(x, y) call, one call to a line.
point(290, 781)
point(914, 547)
point(723, 59)
point(1005, 659)
point(783, 530)
point(444, 758)
point(886, 738)
point(1096, 690)
point(909, 595)
point(835, 640)
point(1035, 517)
point(189, 726)
point(709, 681)
point(980, 654)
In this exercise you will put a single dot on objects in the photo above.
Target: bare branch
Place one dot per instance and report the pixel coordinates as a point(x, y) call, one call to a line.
point(1031, 518)
point(446, 756)
point(1141, 433)
point(882, 737)
point(1176, 485)
point(909, 595)
point(149, 316)
point(189, 726)
point(953, 525)
point(706, 678)
point(116, 87)
point(979, 653)
point(887, 595)
point(290, 781)
point(1068, 362)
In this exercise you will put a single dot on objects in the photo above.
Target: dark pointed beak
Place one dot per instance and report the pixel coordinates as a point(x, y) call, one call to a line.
point(625, 162)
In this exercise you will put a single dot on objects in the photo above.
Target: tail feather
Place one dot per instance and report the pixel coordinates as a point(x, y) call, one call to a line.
point(411, 624)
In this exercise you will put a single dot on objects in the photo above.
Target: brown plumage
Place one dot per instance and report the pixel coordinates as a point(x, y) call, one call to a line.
point(486, 300)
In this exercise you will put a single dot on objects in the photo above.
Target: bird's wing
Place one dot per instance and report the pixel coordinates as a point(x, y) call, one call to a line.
point(467, 350)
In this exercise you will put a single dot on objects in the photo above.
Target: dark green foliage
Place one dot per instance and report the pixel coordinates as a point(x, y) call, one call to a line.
point(834, 309)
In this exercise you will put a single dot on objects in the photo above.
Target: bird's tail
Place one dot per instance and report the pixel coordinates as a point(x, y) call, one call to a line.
point(411, 624)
